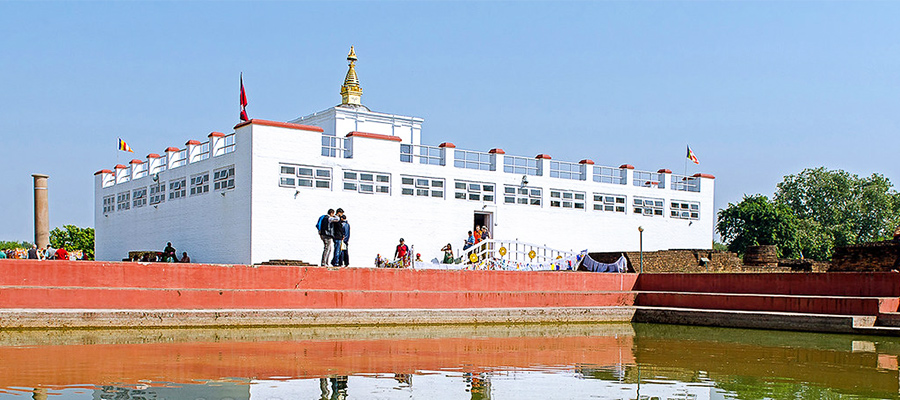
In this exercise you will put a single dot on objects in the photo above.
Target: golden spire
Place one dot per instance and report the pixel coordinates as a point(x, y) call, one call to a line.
point(350, 91)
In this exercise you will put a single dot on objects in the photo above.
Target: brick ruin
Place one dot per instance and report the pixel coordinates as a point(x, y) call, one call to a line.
point(875, 256)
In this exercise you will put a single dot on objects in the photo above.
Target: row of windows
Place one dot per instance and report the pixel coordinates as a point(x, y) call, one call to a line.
point(420, 186)
point(223, 179)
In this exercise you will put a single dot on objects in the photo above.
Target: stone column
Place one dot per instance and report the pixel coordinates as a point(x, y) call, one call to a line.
point(41, 212)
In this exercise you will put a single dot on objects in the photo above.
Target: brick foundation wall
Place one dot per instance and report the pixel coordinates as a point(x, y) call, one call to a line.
point(681, 260)
point(875, 256)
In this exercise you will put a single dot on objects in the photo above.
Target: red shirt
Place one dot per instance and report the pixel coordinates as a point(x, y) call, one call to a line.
point(62, 254)
point(402, 250)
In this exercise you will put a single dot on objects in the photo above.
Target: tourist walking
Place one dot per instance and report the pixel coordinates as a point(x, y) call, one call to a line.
point(337, 234)
point(345, 244)
point(324, 227)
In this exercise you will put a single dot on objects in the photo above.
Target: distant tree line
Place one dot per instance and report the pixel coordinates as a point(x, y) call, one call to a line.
point(812, 213)
point(70, 237)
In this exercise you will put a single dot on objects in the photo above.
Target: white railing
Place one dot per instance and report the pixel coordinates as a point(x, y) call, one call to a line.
point(567, 170)
point(612, 175)
point(469, 159)
point(200, 152)
point(417, 153)
point(178, 159)
point(685, 183)
point(649, 179)
point(229, 145)
point(512, 250)
point(335, 146)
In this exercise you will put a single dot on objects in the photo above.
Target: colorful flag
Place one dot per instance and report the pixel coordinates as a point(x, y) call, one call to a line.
point(124, 146)
point(691, 156)
point(244, 116)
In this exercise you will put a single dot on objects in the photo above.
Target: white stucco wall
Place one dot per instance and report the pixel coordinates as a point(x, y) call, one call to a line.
point(211, 228)
point(260, 220)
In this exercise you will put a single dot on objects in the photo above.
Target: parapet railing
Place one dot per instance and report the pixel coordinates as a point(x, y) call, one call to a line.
point(422, 154)
point(512, 250)
point(685, 183)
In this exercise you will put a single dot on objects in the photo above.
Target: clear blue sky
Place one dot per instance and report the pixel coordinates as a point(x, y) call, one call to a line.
point(758, 89)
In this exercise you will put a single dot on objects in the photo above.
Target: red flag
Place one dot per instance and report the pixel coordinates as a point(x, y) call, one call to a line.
point(244, 116)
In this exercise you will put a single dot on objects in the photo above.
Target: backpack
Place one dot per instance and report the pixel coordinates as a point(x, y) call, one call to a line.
point(319, 226)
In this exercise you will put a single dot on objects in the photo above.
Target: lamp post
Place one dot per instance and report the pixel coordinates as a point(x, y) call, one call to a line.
point(641, 232)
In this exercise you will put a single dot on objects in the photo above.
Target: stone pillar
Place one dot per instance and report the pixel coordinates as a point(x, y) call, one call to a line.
point(41, 212)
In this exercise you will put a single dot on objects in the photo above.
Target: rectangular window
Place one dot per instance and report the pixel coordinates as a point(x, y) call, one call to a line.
point(158, 193)
point(684, 209)
point(609, 202)
point(223, 178)
point(612, 175)
point(474, 191)
point(304, 176)
point(139, 197)
point(177, 189)
point(650, 207)
point(522, 195)
point(123, 201)
point(200, 184)
point(567, 170)
point(109, 204)
point(567, 199)
point(521, 165)
point(421, 186)
point(473, 160)
point(367, 182)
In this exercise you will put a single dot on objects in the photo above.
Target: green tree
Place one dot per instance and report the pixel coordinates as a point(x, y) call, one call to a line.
point(839, 209)
point(73, 238)
point(758, 221)
point(7, 245)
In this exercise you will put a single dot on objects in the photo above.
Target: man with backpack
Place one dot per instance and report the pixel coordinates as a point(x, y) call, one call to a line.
point(324, 228)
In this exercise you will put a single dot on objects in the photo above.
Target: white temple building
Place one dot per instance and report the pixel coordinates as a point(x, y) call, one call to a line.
point(255, 194)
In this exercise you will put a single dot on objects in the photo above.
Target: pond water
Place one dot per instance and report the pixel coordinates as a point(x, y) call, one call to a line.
point(582, 361)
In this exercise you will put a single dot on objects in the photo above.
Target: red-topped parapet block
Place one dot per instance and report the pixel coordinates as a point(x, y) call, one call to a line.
point(277, 124)
point(447, 145)
point(587, 161)
point(708, 176)
point(496, 151)
point(626, 166)
point(543, 156)
point(374, 136)
point(664, 171)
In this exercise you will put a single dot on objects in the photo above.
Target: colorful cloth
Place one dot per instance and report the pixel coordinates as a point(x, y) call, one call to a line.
point(621, 265)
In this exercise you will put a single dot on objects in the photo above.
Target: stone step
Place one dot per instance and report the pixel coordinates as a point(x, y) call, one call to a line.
point(834, 305)
point(35, 273)
point(192, 298)
point(788, 321)
point(874, 284)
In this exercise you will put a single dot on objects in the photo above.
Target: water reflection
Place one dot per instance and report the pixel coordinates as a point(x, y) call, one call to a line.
point(607, 361)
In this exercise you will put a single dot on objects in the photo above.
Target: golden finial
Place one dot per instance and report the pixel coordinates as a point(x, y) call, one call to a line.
point(351, 93)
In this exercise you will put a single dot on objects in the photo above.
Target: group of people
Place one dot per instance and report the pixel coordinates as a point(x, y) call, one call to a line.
point(480, 233)
point(334, 230)
point(34, 253)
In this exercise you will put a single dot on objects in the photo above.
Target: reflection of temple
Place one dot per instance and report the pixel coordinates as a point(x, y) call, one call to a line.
point(480, 363)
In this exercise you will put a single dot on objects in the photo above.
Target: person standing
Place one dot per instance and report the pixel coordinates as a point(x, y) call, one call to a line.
point(470, 241)
point(345, 246)
point(324, 227)
point(49, 253)
point(33, 252)
point(61, 254)
point(401, 253)
point(337, 234)
point(477, 234)
point(485, 235)
point(184, 258)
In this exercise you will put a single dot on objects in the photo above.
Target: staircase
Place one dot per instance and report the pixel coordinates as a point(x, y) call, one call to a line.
point(798, 301)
